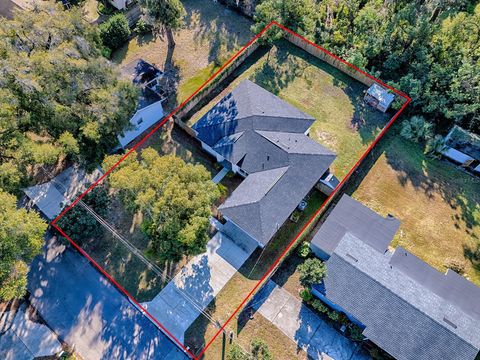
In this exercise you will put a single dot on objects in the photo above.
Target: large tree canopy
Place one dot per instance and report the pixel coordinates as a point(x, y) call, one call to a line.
point(58, 95)
point(429, 49)
point(21, 238)
point(175, 198)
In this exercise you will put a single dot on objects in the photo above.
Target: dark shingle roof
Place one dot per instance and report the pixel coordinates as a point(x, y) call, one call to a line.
point(402, 313)
point(352, 216)
point(265, 137)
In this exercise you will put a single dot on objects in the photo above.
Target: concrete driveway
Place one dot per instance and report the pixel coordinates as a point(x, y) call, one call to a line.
point(303, 326)
point(84, 309)
point(182, 300)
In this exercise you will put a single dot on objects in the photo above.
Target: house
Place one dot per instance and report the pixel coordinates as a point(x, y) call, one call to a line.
point(264, 139)
point(121, 4)
point(463, 147)
point(403, 305)
point(149, 110)
point(378, 97)
point(51, 197)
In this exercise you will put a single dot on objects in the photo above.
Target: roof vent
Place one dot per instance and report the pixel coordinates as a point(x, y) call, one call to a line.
point(352, 257)
point(449, 322)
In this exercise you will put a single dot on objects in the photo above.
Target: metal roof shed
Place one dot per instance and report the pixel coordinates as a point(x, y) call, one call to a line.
point(379, 97)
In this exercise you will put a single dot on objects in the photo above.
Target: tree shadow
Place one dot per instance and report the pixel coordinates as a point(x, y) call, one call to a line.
point(84, 309)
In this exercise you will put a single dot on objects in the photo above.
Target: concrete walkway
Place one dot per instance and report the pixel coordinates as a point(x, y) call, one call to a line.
point(22, 338)
point(180, 302)
point(303, 326)
point(221, 174)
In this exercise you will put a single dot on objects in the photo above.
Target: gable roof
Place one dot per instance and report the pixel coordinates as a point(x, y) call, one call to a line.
point(265, 137)
point(351, 216)
point(391, 295)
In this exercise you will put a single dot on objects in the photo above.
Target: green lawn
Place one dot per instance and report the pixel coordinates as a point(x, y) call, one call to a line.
point(343, 122)
point(438, 205)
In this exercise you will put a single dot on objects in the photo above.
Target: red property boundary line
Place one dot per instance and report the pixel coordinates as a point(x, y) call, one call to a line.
point(300, 233)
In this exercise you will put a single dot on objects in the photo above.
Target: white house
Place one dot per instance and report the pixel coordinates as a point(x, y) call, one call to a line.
point(150, 110)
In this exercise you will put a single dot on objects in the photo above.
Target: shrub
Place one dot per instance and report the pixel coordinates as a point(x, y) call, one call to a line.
point(416, 129)
point(320, 306)
point(355, 333)
point(456, 265)
point(306, 295)
point(333, 315)
point(312, 271)
point(115, 31)
point(260, 350)
point(142, 27)
point(435, 146)
point(304, 249)
point(236, 353)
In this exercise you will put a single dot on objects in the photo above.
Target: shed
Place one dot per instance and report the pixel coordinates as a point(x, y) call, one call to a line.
point(463, 147)
point(379, 97)
point(51, 197)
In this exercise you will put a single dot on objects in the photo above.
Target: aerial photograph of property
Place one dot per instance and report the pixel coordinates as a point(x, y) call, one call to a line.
point(239, 179)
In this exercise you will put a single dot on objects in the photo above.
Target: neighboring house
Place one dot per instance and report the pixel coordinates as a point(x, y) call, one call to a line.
point(463, 147)
point(51, 197)
point(121, 4)
point(264, 139)
point(406, 307)
point(378, 97)
point(149, 110)
point(8, 7)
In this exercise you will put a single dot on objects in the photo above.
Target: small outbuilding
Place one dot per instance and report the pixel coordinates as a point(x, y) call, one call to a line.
point(463, 148)
point(379, 97)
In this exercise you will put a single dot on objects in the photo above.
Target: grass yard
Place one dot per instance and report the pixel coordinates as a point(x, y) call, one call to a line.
point(344, 123)
point(438, 205)
point(237, 289)
point(211, 34)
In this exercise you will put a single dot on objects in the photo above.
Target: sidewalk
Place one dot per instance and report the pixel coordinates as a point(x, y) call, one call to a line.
point(303, 326)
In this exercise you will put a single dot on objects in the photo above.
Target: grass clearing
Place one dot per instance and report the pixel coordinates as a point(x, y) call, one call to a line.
point(343, 123)
point(437, 203)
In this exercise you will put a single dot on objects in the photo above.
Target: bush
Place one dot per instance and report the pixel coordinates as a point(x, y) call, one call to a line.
point(435, 146)
point(142, 27)
point(333, 315)
point(416, 129)
point(320, 306)
point(312, 271)
point(306, 295)
point(260, 350)
point(456, 265)
point(304, 249)
point(355, 333)
point(115, 31)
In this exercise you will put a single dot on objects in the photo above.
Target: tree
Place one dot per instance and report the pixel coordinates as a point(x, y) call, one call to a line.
point(175, 198)
point(79, 223)
point(298, 15)
point(164, 15)
point(259, 351)
point(59, 98)
point(312, 271)
point(115, 31)
point(21, 239)
point(416, 129)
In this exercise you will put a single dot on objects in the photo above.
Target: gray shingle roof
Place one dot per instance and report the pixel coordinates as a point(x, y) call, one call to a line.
point(352, 216)
point(410, 310)
point(265, 137)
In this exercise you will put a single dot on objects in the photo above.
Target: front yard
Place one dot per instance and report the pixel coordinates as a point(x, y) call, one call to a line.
point(344, 123)
point(438, 205)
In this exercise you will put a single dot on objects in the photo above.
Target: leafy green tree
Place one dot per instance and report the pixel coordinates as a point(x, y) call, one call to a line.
point(416, 129)
point(115, 31)
point(21, 239)
point(78, 223)
point(435, 146)
point(59, 97)
point(164, 15)
point(236, 353)
point(312, 271)
point(174, 196)
point(298, 15)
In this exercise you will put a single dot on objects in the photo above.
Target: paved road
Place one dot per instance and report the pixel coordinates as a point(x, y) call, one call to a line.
point(200, 280)
point(303, 326)
point(84, 309)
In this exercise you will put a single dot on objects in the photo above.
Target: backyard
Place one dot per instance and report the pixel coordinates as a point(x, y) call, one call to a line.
point(437, 203)
point(344, 123)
